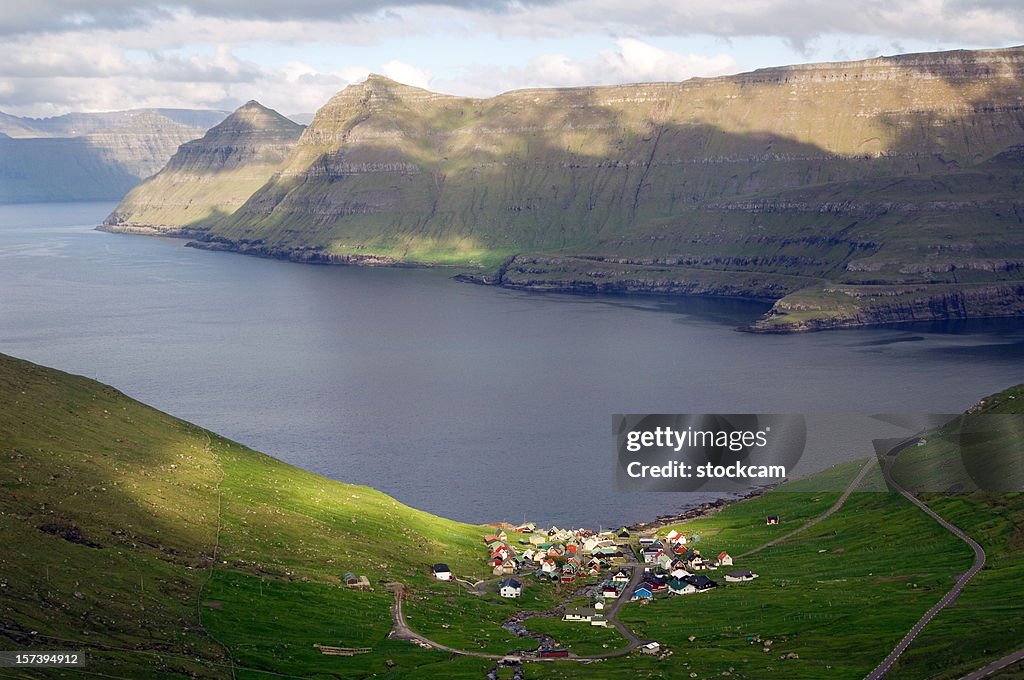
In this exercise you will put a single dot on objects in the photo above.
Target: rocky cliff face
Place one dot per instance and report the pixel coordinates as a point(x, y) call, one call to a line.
point(89, 156)
point(209, 177)
point(891, 170)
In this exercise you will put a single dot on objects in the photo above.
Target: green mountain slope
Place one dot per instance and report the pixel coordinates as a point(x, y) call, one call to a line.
point(209, 177)
point(119, 522)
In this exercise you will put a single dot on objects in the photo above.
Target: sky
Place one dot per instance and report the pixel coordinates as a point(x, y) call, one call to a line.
point(58, 56)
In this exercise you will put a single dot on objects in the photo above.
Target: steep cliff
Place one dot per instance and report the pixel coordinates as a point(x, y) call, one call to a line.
point(209, 177)
point(89, 156)
point(889, 170)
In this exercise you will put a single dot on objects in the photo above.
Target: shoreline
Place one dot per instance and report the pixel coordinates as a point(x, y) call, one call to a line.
point(699, 511)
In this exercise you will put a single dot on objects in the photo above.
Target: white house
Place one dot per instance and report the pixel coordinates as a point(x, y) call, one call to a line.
point(510, 588)
point(724, 559)
point(442, 572)
point(579, 614)
point(678, 586)
point(676, 537)
point(740, 576)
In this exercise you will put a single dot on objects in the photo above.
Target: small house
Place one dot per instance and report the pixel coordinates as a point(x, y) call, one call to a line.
point(510, 587)
point(676, 537)
point(623, 532)
point(650, 648)
point(702, 583)
point(356, 582)
point(772, 519)
point(679, 586)
point(724, 559)
point(442, 572)
point(609, 592)
point(621, 576)
point(579, 614)
point(553, 653)
point(740, 576)
point(643, 593)
point(526, 528)
point(548, 565)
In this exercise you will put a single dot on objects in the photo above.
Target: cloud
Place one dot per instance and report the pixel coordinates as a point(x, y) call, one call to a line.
point(406, 73)
point(42, 16)
point(54, 77)
point(796, 21)
point(61, 55)
point(632, 61)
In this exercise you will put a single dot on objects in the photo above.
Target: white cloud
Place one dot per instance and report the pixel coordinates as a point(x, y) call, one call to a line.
point(632, 61)
point(406, 73)
point(62, 55)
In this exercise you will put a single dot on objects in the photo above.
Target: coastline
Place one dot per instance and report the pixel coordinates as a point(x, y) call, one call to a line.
point(706, 509)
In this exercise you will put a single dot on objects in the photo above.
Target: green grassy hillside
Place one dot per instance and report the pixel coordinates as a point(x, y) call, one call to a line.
point(159, 549)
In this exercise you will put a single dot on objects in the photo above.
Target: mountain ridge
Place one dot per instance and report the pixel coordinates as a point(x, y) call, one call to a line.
point(90, 156)
point(656, 172)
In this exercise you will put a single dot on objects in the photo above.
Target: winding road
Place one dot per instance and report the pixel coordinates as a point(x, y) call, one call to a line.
point(402, 631)
point(949, 597)
point(996, 666)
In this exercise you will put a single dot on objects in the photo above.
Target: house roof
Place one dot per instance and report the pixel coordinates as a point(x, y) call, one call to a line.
point(700, 582)
point(440, 567)
point(742, 573)
point(510, 583)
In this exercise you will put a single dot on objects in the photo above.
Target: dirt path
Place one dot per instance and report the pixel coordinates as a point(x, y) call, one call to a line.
point(868, 466)
point(401, 631)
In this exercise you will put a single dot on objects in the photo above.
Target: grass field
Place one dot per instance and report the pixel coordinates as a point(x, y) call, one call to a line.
point(161, 550)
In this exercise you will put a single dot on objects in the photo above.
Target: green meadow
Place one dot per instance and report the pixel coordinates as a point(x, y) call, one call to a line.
point(160, 550)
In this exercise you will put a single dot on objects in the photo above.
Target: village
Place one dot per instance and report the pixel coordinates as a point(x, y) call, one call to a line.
point(614, 566)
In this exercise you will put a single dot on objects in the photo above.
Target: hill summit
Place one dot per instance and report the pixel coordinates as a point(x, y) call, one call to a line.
point(211, 176)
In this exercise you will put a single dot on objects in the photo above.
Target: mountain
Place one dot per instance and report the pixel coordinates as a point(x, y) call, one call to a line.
point(157, 549)
point(90, 156)
point(77, 124)
point(879, 190)
point(210, 177)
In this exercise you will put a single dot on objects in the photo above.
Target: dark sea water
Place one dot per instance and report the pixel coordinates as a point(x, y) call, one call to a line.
point(476, 403)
